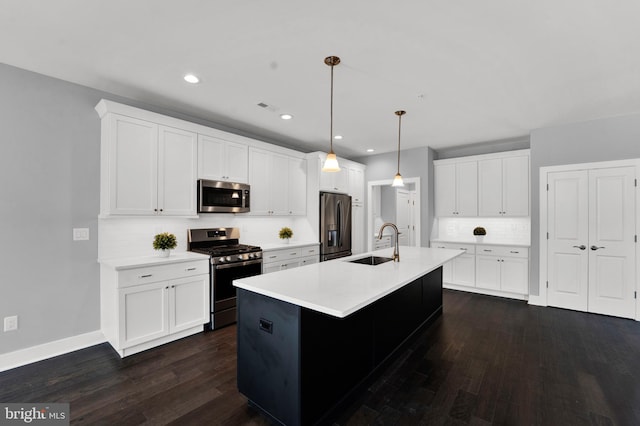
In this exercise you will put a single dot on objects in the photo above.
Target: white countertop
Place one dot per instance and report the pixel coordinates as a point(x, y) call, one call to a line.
point(139, 262)
point(485, 241)
point(291, 244)
point(339, 288)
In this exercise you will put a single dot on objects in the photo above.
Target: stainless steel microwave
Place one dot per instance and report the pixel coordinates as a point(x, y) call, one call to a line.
point(216, 196)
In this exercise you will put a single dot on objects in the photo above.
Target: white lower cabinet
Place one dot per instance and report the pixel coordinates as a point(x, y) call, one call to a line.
point(503, 268)
point(489, 269)
point(281, 259)
point(461, 270)
point(148, 306)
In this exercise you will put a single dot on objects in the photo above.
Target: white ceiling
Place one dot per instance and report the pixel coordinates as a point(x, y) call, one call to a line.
point(465, 71)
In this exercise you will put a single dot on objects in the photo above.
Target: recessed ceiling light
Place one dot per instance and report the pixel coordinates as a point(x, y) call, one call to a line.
point(337, 137)
point(190, 78)
point(370, 150)
point(286, 116)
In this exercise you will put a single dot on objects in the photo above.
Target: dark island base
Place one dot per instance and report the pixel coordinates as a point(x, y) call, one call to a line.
point(299, 366)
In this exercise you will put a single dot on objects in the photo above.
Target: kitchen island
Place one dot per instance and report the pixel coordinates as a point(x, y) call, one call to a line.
point(310, 337)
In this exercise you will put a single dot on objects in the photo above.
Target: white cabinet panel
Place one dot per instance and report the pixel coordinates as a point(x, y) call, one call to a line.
point(219, 159)
point(131, 159)
point(278, 184)
point(488, 272)
point(297, 180)
point(147, 169)
point(456, 189)
point(356, 184)
point(143, 314)
point(189, 302)
point(177, 157)
point(335, 181)
point(503, 186)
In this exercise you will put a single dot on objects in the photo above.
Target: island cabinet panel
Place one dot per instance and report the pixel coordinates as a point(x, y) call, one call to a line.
point(301, 366)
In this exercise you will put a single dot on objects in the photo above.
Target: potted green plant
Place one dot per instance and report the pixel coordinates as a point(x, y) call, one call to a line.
point(285, 233)
point(164, 242)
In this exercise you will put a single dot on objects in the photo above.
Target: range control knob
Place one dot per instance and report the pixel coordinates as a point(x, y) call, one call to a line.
point(239, 257)
point(228, 258)
point(251, 255)
point(221, 259)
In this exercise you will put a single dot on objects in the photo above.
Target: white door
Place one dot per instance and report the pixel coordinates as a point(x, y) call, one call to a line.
point(568, 228)
point(488, 272)
point(467, 189)
point(611, 241)
point(237, 166)
point(402, 217)
point(259, 180)
point(412, 219)
point(591, 248)
point(490, 187)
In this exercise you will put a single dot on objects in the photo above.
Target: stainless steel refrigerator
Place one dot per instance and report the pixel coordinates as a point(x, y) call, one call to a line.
point(335, 225)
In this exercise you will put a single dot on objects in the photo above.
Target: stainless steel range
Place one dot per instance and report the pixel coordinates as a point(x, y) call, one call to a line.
point(230, 260)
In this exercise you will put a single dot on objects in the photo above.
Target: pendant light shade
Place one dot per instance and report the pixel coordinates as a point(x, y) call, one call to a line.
point(397, 180)
point(331, 163)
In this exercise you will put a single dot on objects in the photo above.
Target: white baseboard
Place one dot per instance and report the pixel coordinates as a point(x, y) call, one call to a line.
point(48, 350)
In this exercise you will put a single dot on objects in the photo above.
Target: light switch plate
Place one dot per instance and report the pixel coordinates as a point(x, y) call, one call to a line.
point(11, 323)
point(80, 234)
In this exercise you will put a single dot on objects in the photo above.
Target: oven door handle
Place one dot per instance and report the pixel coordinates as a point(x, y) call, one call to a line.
point(237, 264)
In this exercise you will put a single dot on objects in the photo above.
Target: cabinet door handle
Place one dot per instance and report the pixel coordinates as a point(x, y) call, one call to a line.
point(145, 276)
point(489, 250)
point(582, 247)
point(594, 248)
point(516, 252)
point(190, 269)
point(273, 257)
point(293, 254)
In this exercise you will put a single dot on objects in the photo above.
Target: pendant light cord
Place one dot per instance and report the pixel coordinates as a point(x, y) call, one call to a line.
point(331, 115)
point(399, 127)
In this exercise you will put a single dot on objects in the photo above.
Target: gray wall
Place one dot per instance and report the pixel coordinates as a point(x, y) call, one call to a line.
point(49, 168)
point(416, 162)
point(607, 139)
point(50, 172)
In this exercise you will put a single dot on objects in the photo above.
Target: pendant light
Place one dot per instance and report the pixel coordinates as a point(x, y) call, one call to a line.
point(397, 180)
point(331, 163)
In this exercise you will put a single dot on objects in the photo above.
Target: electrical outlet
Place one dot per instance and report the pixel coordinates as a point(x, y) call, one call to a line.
point(11, 323)
point(80, 234)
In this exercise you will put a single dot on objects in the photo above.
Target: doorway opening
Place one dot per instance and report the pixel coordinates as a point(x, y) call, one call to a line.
point(400, 206)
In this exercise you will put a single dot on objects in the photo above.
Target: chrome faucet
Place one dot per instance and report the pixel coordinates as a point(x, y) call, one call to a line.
point(396, 253)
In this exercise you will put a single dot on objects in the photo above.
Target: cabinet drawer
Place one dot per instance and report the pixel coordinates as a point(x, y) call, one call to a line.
point(281, 255)
point(469, 248)
point(310, 251)
point(308, 260)
point(151, 274)
point(503, 251)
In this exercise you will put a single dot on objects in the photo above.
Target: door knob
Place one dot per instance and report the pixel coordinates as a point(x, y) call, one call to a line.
point(582, 247)
point(594, 248)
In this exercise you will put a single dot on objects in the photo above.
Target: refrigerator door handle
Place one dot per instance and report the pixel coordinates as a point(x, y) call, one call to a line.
point(339, 223)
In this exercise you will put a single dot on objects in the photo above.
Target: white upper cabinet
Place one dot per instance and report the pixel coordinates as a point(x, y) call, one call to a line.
point(147, 169)
point(177, 163)
point(219, 159)
point(356, 184)
point(335, 181)
point(490, 185)
point(456, 189)
point(297, 186)
point(503, 186)
point(278, 183)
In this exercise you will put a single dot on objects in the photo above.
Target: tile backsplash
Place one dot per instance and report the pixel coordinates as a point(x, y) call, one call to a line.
point(516, 230)
point(132, 237)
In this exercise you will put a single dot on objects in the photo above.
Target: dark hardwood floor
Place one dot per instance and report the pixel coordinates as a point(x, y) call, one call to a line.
point(486, 361)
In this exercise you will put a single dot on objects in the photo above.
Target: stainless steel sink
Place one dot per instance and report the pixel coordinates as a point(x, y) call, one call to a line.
point(371, 260)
